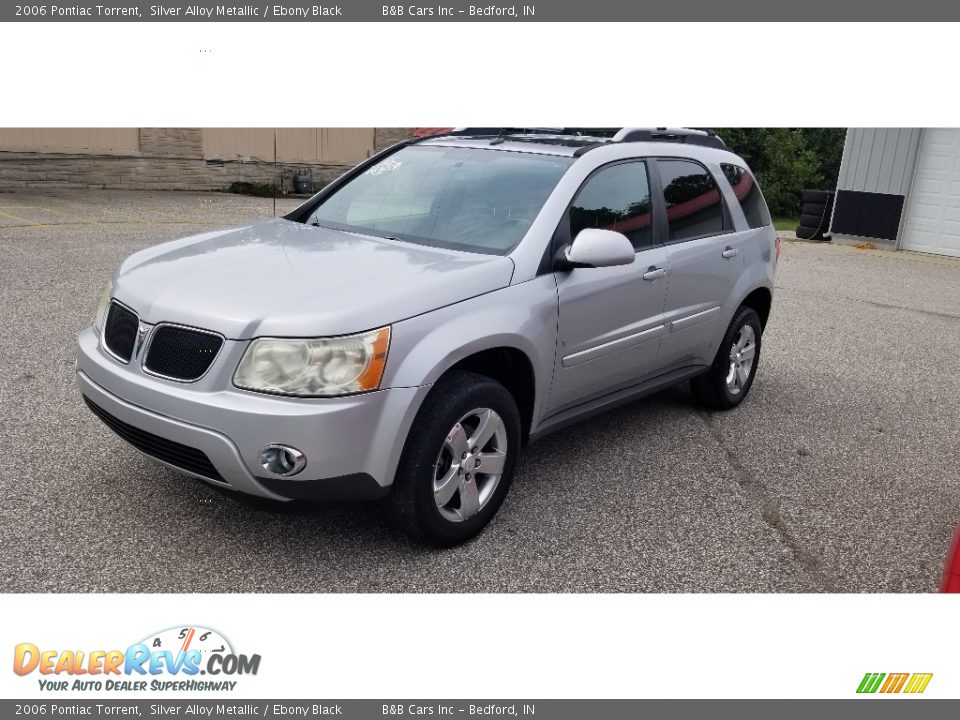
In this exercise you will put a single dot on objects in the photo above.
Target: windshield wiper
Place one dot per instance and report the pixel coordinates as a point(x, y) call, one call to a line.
point(355, 231)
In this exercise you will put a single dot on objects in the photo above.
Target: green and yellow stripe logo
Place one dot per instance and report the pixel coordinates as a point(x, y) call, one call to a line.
point(913, 683)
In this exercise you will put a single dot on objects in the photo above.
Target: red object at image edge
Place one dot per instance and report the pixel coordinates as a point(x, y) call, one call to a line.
point(951, 572)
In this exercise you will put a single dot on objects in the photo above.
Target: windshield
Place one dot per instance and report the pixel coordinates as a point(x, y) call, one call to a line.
point(468, 199)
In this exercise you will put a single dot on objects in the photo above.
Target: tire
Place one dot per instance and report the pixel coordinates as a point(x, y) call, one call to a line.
point(429, 454)
point(816, 196)
point(813, 221)
point(808, 233)
point(712, 389)
point(816, 209)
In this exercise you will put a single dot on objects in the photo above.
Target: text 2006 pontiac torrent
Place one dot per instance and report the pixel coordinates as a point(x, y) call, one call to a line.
point(407, 330)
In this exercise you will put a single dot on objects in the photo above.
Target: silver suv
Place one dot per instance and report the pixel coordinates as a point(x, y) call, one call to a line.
point(407, 330)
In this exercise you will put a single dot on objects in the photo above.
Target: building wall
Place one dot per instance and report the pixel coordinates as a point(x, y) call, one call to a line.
point(385, 137)
point(182, 158)
point(338, 146)
point(876, 173)
point(879, 160)
point(79, 140)
point(183, 143)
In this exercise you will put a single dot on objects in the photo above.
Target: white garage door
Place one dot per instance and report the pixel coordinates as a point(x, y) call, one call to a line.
point(932, 222)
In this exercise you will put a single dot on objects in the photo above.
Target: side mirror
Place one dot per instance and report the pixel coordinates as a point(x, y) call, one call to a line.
point(593, 248)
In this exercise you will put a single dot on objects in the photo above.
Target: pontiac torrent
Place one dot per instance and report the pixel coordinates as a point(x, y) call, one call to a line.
point(407, 330)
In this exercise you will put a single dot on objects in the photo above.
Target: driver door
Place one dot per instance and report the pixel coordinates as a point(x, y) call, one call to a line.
point(611, 319)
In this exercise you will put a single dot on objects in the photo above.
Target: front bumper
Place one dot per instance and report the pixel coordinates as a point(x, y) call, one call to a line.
point(352, 444)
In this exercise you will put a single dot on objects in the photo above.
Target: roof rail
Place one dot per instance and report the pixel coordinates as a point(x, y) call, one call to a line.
point(689, 136)
point(496, 131)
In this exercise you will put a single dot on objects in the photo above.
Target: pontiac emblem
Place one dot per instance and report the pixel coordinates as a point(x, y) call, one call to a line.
point(141, 334)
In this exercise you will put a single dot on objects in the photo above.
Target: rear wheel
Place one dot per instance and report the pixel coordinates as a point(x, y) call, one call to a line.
point(730, 377)
point(458, 461)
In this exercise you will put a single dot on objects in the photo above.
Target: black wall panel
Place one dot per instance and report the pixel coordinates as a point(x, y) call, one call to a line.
point(875, 215)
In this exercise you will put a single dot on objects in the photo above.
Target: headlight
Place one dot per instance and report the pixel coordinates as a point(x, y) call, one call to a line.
point(315, 368)
point(102, 306)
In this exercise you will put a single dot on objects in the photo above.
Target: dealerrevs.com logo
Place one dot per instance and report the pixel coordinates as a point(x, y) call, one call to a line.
point(177, 659)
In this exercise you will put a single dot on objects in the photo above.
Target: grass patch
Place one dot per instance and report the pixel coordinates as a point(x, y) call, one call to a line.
point(786, 224)
point(263, 188)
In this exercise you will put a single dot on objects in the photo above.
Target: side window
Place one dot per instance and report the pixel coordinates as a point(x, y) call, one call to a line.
point(616, 198)
point(745, 187)
point(693, 201)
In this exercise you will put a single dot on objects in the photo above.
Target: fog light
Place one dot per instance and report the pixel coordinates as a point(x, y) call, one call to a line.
point(282, 460)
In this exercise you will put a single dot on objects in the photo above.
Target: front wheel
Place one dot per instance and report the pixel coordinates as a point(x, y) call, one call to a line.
point(458, 460)
point(730, 377)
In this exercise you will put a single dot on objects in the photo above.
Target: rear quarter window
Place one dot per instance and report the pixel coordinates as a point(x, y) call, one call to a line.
point(747, 191)
point(694, 204)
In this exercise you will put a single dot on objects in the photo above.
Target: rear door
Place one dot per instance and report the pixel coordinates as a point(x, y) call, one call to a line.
point(611, 319)
point(705, 259)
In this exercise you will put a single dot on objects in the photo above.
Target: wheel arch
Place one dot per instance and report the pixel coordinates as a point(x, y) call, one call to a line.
point(510, 336)
point(760, 300)
point(490, 360)
point(512, 368)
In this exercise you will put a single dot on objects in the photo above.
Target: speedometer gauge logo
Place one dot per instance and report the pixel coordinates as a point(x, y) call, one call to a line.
point(184, 639)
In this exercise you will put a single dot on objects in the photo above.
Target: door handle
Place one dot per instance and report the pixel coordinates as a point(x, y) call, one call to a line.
point(654, 273)
point(729, 252)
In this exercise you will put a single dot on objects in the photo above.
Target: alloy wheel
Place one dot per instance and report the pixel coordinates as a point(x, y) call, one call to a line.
point(470, 464)
point(743, 352)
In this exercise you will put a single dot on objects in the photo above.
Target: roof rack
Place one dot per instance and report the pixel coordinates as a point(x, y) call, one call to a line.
point(689, 136)
point(503, 131)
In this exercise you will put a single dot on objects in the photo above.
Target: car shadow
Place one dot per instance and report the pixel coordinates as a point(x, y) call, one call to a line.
point(369, 522)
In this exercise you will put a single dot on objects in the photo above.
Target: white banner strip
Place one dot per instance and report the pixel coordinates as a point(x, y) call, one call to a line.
point(488, 646)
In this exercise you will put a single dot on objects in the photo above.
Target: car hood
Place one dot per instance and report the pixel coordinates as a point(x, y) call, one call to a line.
point(284, 278)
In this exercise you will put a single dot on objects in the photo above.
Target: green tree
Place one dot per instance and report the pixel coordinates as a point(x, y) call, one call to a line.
point(786, 161)
point(827, 143)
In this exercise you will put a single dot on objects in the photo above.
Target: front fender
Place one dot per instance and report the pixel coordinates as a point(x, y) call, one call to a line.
point(522, 317)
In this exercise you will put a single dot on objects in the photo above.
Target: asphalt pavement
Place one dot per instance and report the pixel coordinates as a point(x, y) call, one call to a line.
point(838, 474)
